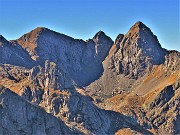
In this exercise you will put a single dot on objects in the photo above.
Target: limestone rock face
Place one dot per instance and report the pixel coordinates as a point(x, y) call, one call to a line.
point(132, 56)
point(74, 56)
point(118, 40)
point(139, 50)
point(172, 60)
point(14, 54)
point(166, 104)
point(41, 80)
point(2, 40)
point(53, 90)
point(61, 99)
point(102, 45)
point(59, 96)
point(73, 107)
point(19, 117)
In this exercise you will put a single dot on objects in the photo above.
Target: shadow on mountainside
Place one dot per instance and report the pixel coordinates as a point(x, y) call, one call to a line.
point(117, 120)
point(89, 74)
point(120, 121)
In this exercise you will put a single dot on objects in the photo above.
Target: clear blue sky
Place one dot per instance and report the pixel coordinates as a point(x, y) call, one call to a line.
point(83, 18)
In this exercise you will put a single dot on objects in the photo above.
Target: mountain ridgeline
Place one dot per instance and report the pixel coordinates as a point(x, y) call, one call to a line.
point(64, 85)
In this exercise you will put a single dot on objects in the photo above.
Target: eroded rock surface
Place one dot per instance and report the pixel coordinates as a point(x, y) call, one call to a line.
point(19, 117)
point(81, 59)
point(14, 54)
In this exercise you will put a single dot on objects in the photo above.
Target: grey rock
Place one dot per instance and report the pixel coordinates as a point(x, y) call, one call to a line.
point(19, 117)
point(14, 54)
point(77, 57)
point(138, 51)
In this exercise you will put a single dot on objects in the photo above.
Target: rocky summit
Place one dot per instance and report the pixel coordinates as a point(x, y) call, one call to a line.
point(53, 84)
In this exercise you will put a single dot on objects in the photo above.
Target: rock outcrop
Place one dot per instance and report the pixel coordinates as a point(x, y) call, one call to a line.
point(19, 117)
point(139, 50)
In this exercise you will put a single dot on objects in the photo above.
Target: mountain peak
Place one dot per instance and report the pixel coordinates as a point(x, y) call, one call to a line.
point(2, 40)
point(139, 23)
point(119, 38)
point(40, 29)
point(35, 32)
point(99, 34)
point(32, 34)
point(139, 44)
point(139, 27)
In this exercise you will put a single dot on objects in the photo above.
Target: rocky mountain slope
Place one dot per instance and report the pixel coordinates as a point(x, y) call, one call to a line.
point(53, 90)
point(132, 56)
point(81, 59)
point(14, 54)
point(19, 117)
point(96, 86)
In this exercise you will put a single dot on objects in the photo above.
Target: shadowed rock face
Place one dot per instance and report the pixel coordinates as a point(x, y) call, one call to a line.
point(77, 57)
point(14, 54)
point(19, 117)
point(2, 40)
point(91, 87)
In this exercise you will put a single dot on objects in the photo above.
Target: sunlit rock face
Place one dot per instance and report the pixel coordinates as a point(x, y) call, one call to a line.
point(139, 50)
point(19, 117)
